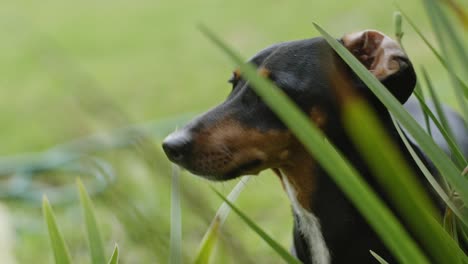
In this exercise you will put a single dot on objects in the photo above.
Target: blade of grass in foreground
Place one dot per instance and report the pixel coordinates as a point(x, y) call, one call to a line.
point(115, 256)
point(427, 144)
point(463, 216)
point(284, 254)
point(59, 247)
point(399, 182)
point(94, 236)
point(378, 258)
point(176, 218)
point(444, 126)
point(211, 236)
point(358, 191)
point(462, 84)
point(449, 41)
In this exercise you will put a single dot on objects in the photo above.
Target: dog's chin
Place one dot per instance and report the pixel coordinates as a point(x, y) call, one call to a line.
point(248, 168)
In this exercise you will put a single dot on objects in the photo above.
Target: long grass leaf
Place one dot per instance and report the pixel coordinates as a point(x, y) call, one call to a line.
point(448, 39)
point(463, 216)
point(211, 236)
point(420, 95)
point(377, 214)
point(114, 259)
point(455, 150)
point(394, 174)
point(175, 256)
point(427, 144)
point(378, 258)
point(462, 84)
point(59, 247)
point(283, 253)
point(94, 236)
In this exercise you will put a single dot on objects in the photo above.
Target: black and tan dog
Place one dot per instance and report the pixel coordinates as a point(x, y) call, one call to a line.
point(243, 136)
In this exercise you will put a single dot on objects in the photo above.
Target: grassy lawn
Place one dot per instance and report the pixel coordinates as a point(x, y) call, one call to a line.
point(71, 69)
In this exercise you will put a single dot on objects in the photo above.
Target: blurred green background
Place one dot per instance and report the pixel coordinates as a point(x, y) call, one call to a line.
point(74, 68)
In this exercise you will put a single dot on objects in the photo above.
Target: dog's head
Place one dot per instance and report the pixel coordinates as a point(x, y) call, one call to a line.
point(243, 136)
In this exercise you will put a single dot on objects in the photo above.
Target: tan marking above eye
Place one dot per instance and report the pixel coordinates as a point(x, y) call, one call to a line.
point(264, 72)
point(236, 74)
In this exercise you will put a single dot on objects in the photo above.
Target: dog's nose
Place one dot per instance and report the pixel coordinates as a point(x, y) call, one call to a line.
point(177, 146)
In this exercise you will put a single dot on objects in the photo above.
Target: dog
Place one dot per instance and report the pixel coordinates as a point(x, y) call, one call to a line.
point(243, 136)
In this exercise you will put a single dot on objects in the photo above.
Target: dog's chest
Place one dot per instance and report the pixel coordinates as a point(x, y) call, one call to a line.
point(309, 226)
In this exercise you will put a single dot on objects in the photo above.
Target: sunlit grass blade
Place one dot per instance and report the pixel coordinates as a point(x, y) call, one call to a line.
point(92, 230)
point(378, 258)
point(59, 247)
point(462, 215)
point(283, 253)
point(358, 191)
point(398, 180)
point(114, 259)
point(449, 41)
point(462, 84)
point(427, 144)
point(211, 236)
point(175, 256)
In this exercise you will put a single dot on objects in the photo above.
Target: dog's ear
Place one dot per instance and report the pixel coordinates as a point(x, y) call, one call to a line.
point(384, 58)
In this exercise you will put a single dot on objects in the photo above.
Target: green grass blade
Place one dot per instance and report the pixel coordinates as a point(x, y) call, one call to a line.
point(371, 207)
point(427, 144)
point(211, 236)
point(92, 230)
point(283, 253)
point(438, 15)
point(175, 256)
point(420, 95)
point(394, 174)
point(462, 215)
point(437, 103)
point(378, 258)
point(115, 256)
point(461, 83)
point(448, 40)
point(59, 247)
point(453, 146)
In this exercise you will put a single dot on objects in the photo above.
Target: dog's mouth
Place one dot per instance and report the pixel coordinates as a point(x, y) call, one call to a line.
point(245, 168)
point(248, 167)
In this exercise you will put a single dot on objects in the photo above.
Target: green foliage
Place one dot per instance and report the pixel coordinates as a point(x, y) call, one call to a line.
point(427, 144)
point(378, 258)
point(59, 247)
point(115, 256)
point(283, 253)
point(92, 229)
point(212, 234)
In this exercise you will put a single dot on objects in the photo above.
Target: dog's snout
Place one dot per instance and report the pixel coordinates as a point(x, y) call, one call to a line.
point(177, 147)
